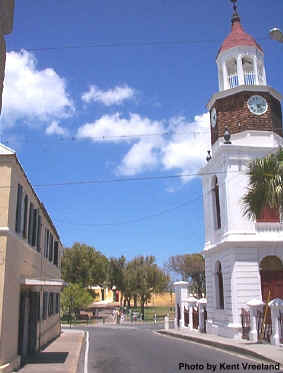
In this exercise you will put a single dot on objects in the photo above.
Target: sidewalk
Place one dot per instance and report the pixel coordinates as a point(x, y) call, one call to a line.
point(264, 352)
point(60, 356)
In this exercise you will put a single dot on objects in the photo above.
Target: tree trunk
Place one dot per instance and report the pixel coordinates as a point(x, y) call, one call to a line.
point(142, 307)
point(135, 301)
point(129, 302)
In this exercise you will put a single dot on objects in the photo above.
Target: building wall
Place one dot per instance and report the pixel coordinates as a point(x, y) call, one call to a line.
point(21, 259)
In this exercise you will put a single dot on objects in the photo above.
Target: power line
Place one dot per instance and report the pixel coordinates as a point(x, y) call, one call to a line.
point(123, 44)
point(146, 217)
point(119, 180)
point(137, 220)
point(5, 140)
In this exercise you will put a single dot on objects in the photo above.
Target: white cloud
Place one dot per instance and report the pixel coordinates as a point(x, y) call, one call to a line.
point(56, 129)
point(115, 96)
point(183, 148)
point(187, 148)
point(32, 94)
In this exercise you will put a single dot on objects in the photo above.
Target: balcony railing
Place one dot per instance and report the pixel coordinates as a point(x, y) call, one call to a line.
point(269, 227)
point(249, 78)
point(233, 80)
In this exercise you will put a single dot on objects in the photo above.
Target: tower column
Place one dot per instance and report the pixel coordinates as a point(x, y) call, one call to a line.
point(255, 70)
point(240, 70)
point(225, 76)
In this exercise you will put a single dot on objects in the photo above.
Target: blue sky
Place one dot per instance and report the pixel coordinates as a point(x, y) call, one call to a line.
point(90, 94)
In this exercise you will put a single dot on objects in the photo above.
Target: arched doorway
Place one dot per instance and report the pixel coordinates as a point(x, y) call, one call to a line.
point(271, 273)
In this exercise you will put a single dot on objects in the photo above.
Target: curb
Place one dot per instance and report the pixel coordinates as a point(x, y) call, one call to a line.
point(219, 345)
point(79, 365)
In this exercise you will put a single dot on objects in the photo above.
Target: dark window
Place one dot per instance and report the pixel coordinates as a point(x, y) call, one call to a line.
point(51, 304)
point(57, 308)
point(56, 253)
point(25, 216)
point(44, 306)
point(51, 243)
point(34, 227)
point(30, 223)
point(38, 243)
point(19, 209)
point(47, 236)
point(220, 287)
point(217, 204)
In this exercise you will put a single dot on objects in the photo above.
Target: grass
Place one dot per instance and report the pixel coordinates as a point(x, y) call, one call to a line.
point(160, 312)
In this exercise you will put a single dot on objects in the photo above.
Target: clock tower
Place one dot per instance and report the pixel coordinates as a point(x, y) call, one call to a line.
point(245, 124)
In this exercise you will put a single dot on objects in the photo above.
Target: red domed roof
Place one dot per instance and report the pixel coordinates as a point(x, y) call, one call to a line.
point(238, 37)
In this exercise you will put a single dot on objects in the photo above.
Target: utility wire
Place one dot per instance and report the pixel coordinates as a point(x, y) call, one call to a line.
point(93, 44)
point(105, 138)
point(146, 217)
point(118, 180)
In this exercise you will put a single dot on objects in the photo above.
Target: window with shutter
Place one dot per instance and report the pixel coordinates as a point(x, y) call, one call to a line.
point(47, 243)
point(44, 306)
point(56, 253)
point(51, 243)
point(30, 223)
point(19, 209)
point(38, 243)
point(25, 217)
point(34, 227)
point(57, 309)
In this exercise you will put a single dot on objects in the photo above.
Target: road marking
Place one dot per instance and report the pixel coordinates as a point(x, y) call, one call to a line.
point(86, 353)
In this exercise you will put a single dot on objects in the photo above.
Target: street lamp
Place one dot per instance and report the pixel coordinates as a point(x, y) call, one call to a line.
point(276, 34)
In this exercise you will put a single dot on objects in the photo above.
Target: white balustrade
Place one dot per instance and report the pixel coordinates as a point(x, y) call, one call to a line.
point(254, 305)
point(269, 227)
point(233, 80)
point(250, 78)
point(276, 305)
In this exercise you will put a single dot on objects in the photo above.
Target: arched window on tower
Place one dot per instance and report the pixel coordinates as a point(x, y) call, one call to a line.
point(232, 72)
point(217, 212)
point(219, 287)
point(249, 70)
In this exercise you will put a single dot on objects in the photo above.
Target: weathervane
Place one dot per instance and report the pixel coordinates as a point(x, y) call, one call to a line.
point(236, 14)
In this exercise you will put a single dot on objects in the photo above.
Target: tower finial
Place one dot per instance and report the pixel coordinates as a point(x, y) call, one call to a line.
point(235, 16)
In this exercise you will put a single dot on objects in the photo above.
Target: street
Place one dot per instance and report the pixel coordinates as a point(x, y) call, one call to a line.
point(140, 349)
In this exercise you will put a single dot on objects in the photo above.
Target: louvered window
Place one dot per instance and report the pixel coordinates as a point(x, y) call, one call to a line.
point(19, 209)
point(39, 225)
point(30, 223)
point(56, 253)
point(25, 217)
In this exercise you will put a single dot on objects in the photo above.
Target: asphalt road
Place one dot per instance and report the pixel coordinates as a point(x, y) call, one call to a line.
point(141, 350)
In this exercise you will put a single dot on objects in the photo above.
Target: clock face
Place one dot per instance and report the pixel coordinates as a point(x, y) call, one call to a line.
point(257, 105)
point(213, 117)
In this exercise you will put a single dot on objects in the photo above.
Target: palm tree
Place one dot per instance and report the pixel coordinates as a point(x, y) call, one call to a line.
point(265, 189)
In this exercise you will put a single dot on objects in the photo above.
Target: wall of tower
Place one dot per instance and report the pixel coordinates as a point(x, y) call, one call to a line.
point(233, 112)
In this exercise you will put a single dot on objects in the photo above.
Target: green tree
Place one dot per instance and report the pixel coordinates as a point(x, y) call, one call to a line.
point(191, 268)
point(73, 298)
point(147, 278)
point(84, 265)
point(116, 274)
point(265, 187)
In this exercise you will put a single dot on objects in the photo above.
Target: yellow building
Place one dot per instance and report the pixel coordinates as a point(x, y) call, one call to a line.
point(30, 255)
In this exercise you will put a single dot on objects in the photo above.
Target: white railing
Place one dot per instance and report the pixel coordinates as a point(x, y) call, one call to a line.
point(233, 80)
point(269, 227)
point(249, 78)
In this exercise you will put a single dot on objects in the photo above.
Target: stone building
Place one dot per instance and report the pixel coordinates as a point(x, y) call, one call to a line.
point(243, 258)
point(30, 255)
